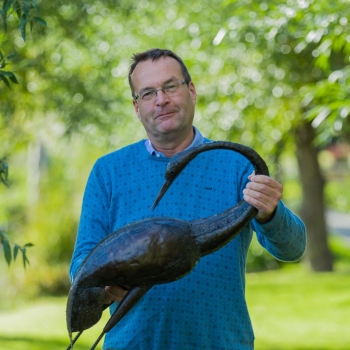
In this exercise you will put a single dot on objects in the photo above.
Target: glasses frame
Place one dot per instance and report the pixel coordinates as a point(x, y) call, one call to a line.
point(155, 91)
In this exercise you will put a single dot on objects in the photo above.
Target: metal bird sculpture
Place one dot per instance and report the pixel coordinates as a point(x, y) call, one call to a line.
point(153, 251)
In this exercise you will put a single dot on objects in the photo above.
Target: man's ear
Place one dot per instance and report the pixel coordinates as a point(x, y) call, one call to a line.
point(193, 92)
point(137, 110)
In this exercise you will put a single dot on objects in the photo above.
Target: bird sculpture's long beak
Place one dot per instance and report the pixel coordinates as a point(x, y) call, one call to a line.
point(161, 193)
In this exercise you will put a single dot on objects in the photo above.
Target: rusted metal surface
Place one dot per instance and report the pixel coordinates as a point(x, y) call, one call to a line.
point(154, 251)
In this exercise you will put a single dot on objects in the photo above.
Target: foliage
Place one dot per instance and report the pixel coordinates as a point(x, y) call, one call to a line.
point(16, 248)
point(26, 12)
point(4, 240)
point(4, 172)
point(4, 75)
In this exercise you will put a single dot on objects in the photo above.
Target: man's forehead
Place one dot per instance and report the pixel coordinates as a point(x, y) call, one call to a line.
point(157, 71)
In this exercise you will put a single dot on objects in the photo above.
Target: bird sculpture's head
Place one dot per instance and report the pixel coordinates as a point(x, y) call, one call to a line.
point(176, 164)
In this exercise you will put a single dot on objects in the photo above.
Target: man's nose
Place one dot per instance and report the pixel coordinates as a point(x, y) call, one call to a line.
point(161, 97)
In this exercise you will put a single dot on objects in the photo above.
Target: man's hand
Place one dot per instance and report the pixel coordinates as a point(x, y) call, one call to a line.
point(115, 293)
point(263, 193)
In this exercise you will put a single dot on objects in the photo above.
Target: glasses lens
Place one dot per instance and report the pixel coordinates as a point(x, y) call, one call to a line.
point(172, 87)
point(147, 94)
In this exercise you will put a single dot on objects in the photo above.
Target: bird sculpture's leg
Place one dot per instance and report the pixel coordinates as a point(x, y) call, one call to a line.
point(73, 341)
point(130, 299)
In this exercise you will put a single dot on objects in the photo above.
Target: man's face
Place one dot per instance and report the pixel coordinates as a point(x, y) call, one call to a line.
point(163, 114)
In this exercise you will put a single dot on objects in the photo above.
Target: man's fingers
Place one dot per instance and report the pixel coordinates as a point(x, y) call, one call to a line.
point(264, 193)
point(115, 293)
point(259, 200)
point(266, 180)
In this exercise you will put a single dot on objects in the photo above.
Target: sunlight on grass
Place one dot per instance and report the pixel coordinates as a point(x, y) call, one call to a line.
point(294, 309)
point(42, 325)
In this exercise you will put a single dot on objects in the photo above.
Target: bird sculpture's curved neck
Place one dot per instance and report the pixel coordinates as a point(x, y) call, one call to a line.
point(214, 232)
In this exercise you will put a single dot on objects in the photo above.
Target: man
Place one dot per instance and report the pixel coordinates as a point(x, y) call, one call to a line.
point(206, 309)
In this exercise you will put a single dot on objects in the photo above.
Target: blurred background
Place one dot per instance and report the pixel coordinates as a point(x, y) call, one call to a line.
point(272, 75)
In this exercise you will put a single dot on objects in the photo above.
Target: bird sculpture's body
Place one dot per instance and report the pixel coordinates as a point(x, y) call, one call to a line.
point(153, 251)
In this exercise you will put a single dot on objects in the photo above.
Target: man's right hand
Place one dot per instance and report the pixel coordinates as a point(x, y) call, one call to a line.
point(115, 293)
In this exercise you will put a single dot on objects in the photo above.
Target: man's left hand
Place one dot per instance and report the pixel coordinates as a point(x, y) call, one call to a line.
point(263, 193)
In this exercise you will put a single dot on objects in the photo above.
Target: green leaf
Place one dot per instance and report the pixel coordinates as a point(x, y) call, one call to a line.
point(23, 32)
point(26, 8)
point(24, 252)
point(3, 235)
point(22, 25)
point(4, 171)
point(6, 74)
point(4, 19)
point(35, 6)
point(9, 75)
point(13, 79)
point(15, 251)
point(7, 5)
point(4, 180)
point(7, 251)
point(3, 15)
point(18, 9)
point(5, 81)
point(40, 20)
point(25, 259)
point(11, 56)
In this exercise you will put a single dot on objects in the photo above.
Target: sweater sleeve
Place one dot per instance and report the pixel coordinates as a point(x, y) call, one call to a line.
point(94, 219)
point(284, 236)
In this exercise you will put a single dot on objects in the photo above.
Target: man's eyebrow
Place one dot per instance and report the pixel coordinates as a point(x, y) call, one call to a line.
point(169, 81)
point(164, 83)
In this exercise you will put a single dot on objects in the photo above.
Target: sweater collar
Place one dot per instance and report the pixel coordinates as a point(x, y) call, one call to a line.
point(197, 140)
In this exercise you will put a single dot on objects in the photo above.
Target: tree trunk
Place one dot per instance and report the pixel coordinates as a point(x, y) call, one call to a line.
point(313, 209)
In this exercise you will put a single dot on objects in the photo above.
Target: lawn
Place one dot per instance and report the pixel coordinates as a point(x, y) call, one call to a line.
point(41, 325)
point(294, 309)
point(291, 309)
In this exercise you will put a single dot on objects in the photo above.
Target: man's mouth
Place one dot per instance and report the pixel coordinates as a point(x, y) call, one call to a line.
point(164, 114)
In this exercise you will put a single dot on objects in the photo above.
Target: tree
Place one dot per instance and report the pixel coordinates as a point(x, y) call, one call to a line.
point(291, 55)
point(26, 11)
point(4, 240)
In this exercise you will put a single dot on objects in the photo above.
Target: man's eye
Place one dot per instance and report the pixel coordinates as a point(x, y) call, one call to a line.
point(170, 87)
point(147, 94)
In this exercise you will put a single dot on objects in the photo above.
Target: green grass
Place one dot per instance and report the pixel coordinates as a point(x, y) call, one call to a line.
point(294, 309)
point(42, 325)
point(291, 309)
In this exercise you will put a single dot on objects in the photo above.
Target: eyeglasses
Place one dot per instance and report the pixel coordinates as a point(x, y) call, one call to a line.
point(168, 89)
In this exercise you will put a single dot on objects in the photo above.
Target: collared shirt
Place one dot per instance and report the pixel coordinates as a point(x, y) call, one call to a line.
point(198, 140)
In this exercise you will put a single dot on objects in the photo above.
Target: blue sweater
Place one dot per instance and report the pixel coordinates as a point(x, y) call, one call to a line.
point(206, 309)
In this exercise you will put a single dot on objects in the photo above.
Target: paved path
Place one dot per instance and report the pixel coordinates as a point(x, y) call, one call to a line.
point(339, 223)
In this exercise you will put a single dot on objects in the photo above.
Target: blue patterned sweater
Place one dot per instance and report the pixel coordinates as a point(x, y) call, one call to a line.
point(206, 309)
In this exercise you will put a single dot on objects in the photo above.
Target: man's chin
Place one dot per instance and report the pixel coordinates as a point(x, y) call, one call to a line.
point(168, 126)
